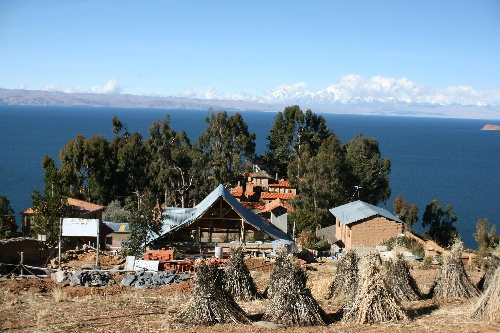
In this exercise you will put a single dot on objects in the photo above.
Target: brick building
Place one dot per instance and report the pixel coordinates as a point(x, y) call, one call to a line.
point(359, 224)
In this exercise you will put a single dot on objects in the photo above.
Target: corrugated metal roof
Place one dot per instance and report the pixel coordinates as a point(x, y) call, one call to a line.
point(117, 227)
point(192, 214)
point(359, 210)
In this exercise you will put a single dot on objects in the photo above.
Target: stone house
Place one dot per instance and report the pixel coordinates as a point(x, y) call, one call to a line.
point(359, 224)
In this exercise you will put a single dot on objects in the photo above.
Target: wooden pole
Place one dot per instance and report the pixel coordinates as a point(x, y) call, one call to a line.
point(97, 249)
point(22, 263)
point(60, 240)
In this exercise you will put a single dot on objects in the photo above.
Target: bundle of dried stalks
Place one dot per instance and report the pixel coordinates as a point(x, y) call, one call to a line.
point(487, 306)
point(282, 267)
point(210, 304)
point(453, 281)
point(292, 303)
point(346, 279)
point(237, 279)
point(490, 272)
point(398, 277)
point(373, 302)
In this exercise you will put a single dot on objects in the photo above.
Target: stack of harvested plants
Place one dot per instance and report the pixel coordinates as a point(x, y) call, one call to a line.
point(490, 272)
point(487, 306)
point(373, 302)
point(292, 303)
point(398, 277)
point(210, 304)
point(344, 285)
point(237, 279)
point(453, 281)
point(282, 266)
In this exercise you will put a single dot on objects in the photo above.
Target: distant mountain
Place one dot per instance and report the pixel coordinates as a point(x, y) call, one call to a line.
point(385, 108)
point(49, 98)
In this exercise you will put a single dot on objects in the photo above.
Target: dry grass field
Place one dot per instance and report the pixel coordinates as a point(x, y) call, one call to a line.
point(39, 305)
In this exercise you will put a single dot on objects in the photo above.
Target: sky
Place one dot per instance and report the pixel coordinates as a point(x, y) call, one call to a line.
point(325, 52)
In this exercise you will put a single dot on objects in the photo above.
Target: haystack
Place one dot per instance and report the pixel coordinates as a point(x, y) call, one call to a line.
point(210, 304)
point(487, 306)
point(292, 303)
point(453, 281)
point(490, 272)
point(282, 267)
point(346, 279)
point(398, 278)
point(237, 279)
point(373, 302)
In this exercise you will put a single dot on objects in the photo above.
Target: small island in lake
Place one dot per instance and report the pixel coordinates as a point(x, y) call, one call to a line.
point(491, 127)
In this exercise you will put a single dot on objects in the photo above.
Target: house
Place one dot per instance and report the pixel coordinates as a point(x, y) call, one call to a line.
point(117, 234)
point(76, 208)
point(359, 224)
point(276, 212)
point(218, 219)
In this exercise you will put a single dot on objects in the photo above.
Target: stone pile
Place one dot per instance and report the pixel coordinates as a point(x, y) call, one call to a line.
point(90, 279)
point(145, 280)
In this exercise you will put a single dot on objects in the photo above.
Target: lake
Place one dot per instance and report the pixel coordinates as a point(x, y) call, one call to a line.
point(451, 160)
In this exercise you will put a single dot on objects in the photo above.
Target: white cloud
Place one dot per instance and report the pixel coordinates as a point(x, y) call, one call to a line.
point(109, 87)
point(355, 88)
point(212, 93)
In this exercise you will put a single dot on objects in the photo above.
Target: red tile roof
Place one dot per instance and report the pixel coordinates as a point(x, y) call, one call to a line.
point(75, 206)
point(237, 191)
point(277, 203)
point(281, 183)
point(252, 205)
point(83, 206)
point(276, 195)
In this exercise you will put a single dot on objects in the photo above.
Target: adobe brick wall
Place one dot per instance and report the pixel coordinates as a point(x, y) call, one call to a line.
point(373, 231)
point(33, 252)
point(368, 233)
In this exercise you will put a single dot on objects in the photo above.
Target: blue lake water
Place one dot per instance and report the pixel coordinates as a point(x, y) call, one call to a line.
point(451, 160)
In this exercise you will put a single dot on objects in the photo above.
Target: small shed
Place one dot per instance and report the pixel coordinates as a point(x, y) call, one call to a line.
point(359, 224)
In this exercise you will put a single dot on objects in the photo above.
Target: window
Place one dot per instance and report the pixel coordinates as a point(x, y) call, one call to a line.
point(109, 240)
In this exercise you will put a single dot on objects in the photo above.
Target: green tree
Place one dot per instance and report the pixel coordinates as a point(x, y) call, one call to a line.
point(175, 166)
point(100, 162)
point(6, 213)
point(322, 182)
point(114, 212)
point(440, 223)
point(50, 207)
point(485, 236)
point(407, 214)
point(411, 217)
point(227, 143)
point(292, 135)
point(145, 224)
point(369, 172)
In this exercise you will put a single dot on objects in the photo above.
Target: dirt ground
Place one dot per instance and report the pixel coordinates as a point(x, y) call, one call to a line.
point(39, 305)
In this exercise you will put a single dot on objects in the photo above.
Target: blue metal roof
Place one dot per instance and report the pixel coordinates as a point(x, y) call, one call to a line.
point(359, 210)
point(176, 218)
point(117, 226)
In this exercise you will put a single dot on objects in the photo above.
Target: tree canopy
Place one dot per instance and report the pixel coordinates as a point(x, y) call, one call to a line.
point(440, 223)
point(6, 212)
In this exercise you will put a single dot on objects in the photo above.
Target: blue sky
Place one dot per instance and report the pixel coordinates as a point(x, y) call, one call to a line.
point(442, 52)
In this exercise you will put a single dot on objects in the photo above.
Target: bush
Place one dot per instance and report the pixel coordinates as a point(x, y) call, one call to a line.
point(408, 243)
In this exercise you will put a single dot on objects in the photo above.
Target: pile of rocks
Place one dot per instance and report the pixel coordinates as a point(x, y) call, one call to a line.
point(144, 279)
point(91, 279)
